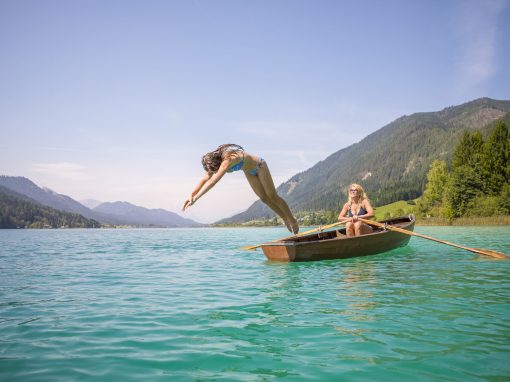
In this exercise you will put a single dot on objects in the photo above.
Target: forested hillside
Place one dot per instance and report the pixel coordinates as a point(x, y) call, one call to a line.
point(46, 197)
point(392, 163)
point(19, 211)
point(477, 181)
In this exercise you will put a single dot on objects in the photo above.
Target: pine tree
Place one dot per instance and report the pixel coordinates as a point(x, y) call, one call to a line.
point(466, 184)
point(504, 199)
point(495, 159)
point(469, 151)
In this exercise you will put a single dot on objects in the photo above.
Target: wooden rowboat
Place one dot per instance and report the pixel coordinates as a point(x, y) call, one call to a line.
point(334, 244)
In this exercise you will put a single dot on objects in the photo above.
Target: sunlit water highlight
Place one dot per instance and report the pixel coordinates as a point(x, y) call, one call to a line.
point(189, 305)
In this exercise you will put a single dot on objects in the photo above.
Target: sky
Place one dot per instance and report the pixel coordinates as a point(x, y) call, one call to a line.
point(118, 100)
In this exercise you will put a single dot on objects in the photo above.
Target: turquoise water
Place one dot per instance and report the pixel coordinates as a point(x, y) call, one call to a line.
point(189, 305)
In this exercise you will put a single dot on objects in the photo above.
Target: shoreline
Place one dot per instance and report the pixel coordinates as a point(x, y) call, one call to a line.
point(432, 221)
point(466, 221)
point(494, 221)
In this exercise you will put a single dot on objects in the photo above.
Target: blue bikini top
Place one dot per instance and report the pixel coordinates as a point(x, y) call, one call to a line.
point(360, 212)
point(238, 166)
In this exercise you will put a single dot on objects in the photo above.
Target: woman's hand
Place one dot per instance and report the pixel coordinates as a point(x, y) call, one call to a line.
point(188, 202)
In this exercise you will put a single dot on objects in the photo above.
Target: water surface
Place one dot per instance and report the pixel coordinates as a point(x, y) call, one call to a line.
point(189, 305)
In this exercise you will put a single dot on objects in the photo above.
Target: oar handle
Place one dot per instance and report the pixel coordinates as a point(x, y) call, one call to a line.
point(486, 252)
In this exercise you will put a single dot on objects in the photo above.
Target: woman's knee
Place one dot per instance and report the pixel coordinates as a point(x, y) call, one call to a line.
point(362, 228)
point(273, 196)
point(276, 199)
point(265, 199)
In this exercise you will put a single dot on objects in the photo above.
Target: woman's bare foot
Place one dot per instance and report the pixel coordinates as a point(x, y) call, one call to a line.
point(295, 226)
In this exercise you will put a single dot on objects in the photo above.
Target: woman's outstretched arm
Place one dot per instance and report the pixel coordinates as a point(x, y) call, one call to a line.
point(205, 184)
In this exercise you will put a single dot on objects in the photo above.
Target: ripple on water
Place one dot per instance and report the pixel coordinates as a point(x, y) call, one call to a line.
point(189, 305)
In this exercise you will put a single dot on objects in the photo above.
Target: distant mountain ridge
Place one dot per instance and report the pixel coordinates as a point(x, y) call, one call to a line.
point(144, 216)
point(390, 163)
point(52, 199)
point(90, 203)
point(20, 211)
point(47, 197)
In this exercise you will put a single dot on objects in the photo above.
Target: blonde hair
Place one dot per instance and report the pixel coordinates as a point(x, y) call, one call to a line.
point(361, 192)
point(212, 160)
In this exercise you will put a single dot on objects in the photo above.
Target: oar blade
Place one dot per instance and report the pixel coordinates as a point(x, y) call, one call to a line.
point(480, 251)
point(491, 253)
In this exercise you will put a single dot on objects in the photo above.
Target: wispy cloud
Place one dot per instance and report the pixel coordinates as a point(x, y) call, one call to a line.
point(62, 170)
point(476, 25)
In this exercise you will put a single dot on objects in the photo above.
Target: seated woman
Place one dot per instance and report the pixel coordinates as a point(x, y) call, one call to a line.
point(357, 206)
point(230, 158)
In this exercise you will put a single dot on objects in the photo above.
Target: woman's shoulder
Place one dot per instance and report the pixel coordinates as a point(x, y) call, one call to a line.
point(366, 202)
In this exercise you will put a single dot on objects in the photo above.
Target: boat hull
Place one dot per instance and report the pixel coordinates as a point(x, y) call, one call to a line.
point(335, 245)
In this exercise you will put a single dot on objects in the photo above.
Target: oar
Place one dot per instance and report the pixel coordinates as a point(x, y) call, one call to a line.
point(251, 247)
point(480, 251)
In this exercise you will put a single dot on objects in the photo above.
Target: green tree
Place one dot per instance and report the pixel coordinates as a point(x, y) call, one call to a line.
point(495, 159)
point(436, 181)
point(466, 184)
point(486, 205)
point(469, 151)
point(447, 210)
point(504, 198)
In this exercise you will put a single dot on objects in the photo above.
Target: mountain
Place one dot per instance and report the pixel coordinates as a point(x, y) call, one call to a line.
point(50, 198)
point(119, 216)
point(136, 215)
point(391, 163)
point(20, 211)
point(90, 203)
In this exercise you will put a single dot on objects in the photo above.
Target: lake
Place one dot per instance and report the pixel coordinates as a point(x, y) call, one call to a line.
point(189, 305)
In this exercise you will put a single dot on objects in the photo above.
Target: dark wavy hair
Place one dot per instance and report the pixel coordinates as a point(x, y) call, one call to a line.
point(212, 161)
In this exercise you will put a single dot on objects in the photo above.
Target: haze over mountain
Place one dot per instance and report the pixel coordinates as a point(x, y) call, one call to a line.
point(90, 203)
point(390, 163)
point(142, 216)
point(123, 216)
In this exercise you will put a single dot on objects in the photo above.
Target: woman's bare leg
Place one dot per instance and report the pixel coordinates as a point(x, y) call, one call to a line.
point(263, 186)
point(361, 228)
point(349, 229)
point(257, 187)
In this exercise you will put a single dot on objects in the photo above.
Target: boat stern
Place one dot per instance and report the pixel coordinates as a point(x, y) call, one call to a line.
point(282, 251)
